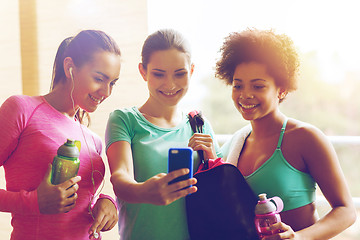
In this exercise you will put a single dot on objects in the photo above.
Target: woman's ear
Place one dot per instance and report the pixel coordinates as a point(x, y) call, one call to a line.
point(142, 71)
point(68, 64)
point(192, 67)
point(282, 94)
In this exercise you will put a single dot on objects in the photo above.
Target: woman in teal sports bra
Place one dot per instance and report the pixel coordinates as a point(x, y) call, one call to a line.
point(277, 155)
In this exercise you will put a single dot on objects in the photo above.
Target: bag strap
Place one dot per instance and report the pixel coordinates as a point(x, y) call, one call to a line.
point(192, 123)
point(197, 122)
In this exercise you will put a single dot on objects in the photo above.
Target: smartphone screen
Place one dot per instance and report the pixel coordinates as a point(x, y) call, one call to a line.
point(180, 158)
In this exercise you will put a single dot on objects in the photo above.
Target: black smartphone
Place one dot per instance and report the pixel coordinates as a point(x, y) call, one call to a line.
point(180, 158)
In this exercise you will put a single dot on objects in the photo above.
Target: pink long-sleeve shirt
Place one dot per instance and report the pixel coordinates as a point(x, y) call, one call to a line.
point(31, 131)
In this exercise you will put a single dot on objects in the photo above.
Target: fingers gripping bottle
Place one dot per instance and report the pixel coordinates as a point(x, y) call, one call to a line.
point(267, 213)
point(66, 163)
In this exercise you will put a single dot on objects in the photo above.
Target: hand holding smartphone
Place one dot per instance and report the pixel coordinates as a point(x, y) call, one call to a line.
point(179, 158)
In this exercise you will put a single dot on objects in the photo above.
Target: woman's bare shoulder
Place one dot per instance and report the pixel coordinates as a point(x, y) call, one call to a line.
point(303, 131)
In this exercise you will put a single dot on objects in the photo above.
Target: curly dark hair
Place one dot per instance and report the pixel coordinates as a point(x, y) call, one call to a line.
point(276, 51)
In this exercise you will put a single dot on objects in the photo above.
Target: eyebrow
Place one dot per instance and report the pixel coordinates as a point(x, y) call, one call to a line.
point(104, 75)
point(160, 70)
point(252, 80)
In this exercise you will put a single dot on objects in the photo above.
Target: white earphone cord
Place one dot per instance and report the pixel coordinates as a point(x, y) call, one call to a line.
point(88, 149)
point(92, 165)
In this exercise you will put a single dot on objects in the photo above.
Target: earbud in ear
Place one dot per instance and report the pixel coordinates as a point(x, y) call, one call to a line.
point(70, 70)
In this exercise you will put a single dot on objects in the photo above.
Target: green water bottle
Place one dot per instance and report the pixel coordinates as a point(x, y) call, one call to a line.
point(66, 163)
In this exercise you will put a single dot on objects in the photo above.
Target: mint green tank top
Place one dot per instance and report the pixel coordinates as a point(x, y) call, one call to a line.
point(150, 145)
point(276, 177)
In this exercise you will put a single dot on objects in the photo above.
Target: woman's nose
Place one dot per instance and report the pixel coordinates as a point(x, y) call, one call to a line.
point(169, 83)
point(246, 95)
point(105, 90)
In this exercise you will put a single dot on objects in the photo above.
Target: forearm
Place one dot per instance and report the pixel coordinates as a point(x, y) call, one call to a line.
point(19, 202)
point(211, 154)
point(126, 188)
point(102, 197)
point(336, 221)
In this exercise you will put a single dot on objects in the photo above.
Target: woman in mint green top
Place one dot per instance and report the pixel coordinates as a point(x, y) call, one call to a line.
point(277, 155)
point(138, 140)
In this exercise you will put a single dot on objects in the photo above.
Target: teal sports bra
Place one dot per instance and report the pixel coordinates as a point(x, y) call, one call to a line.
point(276, 177)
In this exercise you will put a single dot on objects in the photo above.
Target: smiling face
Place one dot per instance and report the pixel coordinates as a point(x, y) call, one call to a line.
point(167, 75)
point(254, 91)
point(93, 82)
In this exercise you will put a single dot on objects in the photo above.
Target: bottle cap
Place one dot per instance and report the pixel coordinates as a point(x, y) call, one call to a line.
point(70, 142)
point(264, 205)
point(262, 197)
point(68, 149)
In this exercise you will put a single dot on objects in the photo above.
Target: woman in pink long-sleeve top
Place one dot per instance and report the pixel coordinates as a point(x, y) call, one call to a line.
point(33, 127)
